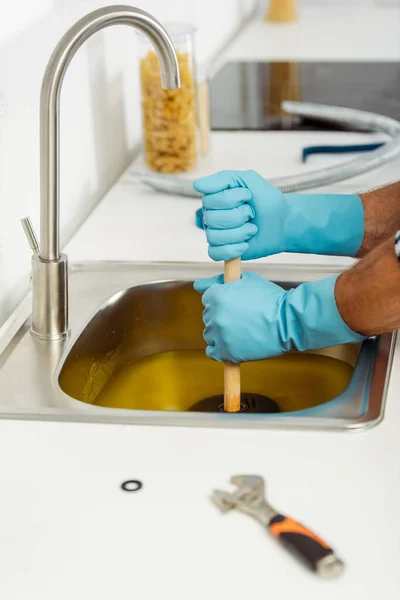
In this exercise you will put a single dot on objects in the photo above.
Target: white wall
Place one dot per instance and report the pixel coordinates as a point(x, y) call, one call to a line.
point(100, 115)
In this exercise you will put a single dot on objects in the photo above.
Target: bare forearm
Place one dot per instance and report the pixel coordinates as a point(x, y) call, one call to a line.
point(381, 216)
point(368, 295)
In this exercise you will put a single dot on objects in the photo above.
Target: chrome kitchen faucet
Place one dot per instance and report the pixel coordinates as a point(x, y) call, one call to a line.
point(49, 265)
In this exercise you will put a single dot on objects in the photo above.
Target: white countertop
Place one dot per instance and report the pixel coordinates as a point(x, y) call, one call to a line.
point(153, 226)
point(345, 30)
point(68, 531)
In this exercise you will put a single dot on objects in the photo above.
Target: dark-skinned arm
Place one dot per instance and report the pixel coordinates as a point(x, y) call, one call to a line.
point(381, 216)
point(368, 295)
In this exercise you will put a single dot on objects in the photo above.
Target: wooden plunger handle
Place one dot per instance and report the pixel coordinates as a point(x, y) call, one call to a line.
point(232, 371)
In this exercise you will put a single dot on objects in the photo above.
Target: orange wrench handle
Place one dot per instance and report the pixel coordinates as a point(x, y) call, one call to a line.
point(300, 540)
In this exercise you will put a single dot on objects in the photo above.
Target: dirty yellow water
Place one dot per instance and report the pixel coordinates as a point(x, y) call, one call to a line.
point(176, 380)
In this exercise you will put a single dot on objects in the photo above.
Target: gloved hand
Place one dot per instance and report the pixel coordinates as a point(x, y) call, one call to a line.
point(252, 318)
point(246, 216)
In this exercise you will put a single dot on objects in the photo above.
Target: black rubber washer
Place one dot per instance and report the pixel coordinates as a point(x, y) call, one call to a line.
point(126, 486)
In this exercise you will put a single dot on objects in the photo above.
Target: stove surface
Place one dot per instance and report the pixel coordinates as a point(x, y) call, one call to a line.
point(248, 95)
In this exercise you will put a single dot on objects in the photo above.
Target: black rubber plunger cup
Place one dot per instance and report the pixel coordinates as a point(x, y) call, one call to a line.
point(250, 403)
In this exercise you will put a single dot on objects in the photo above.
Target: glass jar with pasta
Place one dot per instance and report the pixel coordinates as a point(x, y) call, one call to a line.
point(169, 116)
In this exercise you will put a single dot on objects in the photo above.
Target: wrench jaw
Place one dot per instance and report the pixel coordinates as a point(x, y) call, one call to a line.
point(249, 483)
point(249, 498)
point(250, 489)
point(223, 500)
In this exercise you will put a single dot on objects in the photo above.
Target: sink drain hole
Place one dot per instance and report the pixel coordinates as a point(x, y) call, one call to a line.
point(249, 403)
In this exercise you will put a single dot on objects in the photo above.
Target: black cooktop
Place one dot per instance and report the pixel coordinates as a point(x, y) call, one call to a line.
point(247, 95)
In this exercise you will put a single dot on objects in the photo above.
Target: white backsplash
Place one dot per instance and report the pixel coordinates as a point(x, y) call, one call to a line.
point(100, 112)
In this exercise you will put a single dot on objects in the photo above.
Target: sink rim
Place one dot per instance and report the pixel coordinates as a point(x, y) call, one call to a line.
point(372, 416)
point(75, 410)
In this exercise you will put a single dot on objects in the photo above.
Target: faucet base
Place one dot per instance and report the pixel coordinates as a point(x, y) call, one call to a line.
point(50, 298)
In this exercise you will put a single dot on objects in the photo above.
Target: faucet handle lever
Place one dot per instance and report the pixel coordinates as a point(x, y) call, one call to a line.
point(30, 234)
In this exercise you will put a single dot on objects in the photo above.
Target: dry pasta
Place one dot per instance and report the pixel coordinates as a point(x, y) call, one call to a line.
point(169, 117)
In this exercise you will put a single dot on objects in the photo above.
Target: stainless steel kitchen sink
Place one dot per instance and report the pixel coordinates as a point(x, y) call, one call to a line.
point(136, 355)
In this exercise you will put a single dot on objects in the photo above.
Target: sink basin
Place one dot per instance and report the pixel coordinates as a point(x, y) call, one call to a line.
point(136, 355)
point(144, 350)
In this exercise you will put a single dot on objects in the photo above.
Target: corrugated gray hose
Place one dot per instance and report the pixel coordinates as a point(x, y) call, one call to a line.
point(345, 117)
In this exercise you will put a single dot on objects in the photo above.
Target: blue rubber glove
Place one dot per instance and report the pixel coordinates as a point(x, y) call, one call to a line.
point(246, 216)
point(253, 318)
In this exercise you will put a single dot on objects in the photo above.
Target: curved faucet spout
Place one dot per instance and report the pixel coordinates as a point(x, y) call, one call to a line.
point(50, 96)
point(49, 273)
